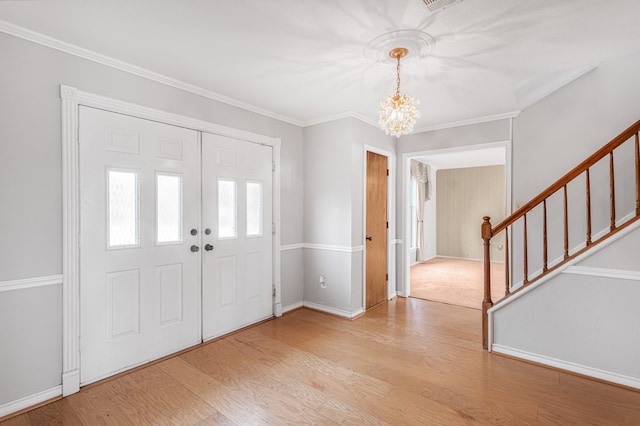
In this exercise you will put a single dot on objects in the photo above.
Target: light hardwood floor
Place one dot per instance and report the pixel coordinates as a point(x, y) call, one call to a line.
point(408, 361)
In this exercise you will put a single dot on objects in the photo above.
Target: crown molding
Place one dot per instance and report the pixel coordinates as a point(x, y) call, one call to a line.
point(477, 120)
point(90, 55)
point(348, 114)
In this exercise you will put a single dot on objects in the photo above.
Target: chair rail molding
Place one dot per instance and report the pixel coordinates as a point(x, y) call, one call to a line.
point(24, 283)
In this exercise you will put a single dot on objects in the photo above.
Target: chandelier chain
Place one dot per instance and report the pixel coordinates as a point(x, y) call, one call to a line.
point(398, 77)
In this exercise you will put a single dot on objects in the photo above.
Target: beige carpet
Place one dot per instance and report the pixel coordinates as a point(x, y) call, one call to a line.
point(455, 281)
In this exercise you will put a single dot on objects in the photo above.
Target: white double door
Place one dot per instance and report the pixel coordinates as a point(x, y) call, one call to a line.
point(175, 239)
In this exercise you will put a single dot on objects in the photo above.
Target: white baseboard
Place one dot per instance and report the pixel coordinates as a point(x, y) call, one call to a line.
point(292, 307)
point(608, 376)
point(29, 401)
point(334, 311)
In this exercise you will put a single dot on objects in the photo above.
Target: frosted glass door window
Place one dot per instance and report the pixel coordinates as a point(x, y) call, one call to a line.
point(122, 200)
point(227, 209)
point(168, 208)
point(254, 208)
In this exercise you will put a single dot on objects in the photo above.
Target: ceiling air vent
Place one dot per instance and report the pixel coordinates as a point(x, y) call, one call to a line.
point(434, 5)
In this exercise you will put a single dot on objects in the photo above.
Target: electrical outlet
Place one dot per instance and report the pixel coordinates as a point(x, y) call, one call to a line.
point(322, 282)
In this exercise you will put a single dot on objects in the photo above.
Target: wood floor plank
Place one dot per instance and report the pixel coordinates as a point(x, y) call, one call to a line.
point(57, 413)
point(407, 361)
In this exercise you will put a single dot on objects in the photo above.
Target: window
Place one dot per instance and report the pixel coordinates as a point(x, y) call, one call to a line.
point(227, 209)
point(254, 209)
point(168, 208)
point(123, 221)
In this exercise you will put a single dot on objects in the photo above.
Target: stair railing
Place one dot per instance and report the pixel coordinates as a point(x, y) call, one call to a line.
point(560, 186)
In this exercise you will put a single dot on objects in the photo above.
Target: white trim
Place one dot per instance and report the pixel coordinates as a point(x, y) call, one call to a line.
point(276, 208)
point(397, 241)
point(348, 114)
point(70, 242)
point(569, 366)
point(29, 401)
point(343, 249)
point(71, 382)
point(392, 294)
point(602, 272)
point(292, 247)
point(30, 282)
point(477, 120)
point(292, 307)
point(90, 55)
point(71, 99)
point(335, 311)
point(139, 111)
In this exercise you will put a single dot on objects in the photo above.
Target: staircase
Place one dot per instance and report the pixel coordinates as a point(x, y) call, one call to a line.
point(556, 228)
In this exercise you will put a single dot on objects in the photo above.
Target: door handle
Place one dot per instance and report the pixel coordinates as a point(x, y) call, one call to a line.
point(369, 238)
point(195, 249)
point(208, 247)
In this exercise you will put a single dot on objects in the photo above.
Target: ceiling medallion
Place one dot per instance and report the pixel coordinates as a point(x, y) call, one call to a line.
point(398, 113)
point(418, 43)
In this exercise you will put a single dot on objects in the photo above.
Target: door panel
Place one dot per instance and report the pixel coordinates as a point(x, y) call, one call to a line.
point(376, 229)
point(237, 209)
point(139, 281)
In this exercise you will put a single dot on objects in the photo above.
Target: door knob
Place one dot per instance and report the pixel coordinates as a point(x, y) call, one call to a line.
point(369, 238)
point(208, 247)
point(195, 249)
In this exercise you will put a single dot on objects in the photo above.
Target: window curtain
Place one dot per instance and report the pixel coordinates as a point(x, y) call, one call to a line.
point(421, 172)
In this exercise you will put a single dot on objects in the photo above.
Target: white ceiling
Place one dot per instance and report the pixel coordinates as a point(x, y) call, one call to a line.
point(302, 59)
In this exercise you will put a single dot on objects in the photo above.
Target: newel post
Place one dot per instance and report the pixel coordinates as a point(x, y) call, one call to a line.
point(486, 301)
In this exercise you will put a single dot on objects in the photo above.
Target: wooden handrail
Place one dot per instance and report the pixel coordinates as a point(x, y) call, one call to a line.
point(574, 173)
point(489, 232)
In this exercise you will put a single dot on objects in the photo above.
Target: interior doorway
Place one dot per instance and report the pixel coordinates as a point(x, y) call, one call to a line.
point(443, 260)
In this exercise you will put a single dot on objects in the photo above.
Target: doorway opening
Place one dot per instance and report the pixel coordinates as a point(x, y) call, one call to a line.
point(443, 214)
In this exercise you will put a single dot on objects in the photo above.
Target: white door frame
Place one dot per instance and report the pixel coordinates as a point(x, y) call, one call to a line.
point(405, 291)
point(391, 217)
point(71, 99)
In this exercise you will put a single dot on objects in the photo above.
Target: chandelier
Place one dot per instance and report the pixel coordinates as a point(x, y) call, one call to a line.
point(398, 113)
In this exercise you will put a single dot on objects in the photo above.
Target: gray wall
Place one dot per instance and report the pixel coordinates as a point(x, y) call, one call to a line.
point(556, 134)
point(333, 206)
point(582, 320)
point(587, 319)
point(31, 194)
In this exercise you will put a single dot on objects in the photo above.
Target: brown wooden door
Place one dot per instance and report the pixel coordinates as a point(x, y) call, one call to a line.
point(376, 229)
